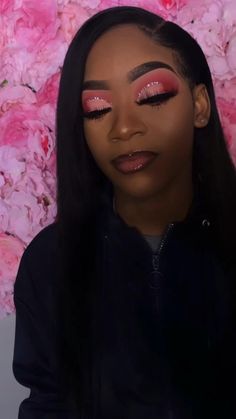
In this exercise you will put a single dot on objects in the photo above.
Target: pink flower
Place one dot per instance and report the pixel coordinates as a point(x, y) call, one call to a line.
point(151, 5)
point(229, 13)
point(25, 214)
point(207, 25)
point(4, 216)
point(13, 64)
point(228, 118)
point(72, 17)
point(12, 164)
point(93, 4)
point(21, 126)
point(30, 202)
point(172, 6)
point(27, 193)
point(190, 14)
point(11, 250)
point(106, 4)
point(6, 6)
point(10, 95)
point(49, 91)
point(37, 24)
point(231, 53)
point(46, 63)
point(32, 49)
point(226, 89)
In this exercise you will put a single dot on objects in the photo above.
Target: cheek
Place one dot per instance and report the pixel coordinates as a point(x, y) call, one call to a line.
point(91, 141)
point(173, 136)
point(94, 137)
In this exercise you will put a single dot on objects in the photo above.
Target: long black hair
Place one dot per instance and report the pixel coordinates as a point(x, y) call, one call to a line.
point(80, 181)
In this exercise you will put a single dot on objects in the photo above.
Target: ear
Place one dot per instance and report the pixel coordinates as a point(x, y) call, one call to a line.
point(202, 106)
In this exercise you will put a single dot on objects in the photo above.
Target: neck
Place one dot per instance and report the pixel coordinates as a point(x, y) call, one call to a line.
point(151, 215)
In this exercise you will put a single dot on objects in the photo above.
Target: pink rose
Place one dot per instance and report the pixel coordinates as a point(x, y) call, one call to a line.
point(72, 17)
point(25, 214)
point(228, 118)
point(6, 5)
point(22, 126)
point(231, 53)
point(170, 4)
point(37, 24)
point(4, 216)
point(32, 47)
point(13, 63)
point(28, 195)
point(10, 95)
point(191, 15)
point(46, 63)
point(152, 5)
point(105, 4)
point(226, 89)
point(12, 164)
point(207, 25)
point(49, 91)
point(93, 4)
point(229, 13)
point(172, 7)
point(11, 250)
point(6, 22)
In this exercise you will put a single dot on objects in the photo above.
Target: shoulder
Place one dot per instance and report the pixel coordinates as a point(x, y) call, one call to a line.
point(39, 262)
point(43, 245)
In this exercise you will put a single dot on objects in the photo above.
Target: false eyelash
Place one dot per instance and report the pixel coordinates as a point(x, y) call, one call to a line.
point(96, 114)
point(156, 99)
point(152, 100)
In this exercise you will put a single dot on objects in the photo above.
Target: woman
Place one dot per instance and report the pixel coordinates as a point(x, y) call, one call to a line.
point(125, 305)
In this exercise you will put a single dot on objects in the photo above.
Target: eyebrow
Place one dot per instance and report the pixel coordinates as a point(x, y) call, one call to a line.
point(133, 74)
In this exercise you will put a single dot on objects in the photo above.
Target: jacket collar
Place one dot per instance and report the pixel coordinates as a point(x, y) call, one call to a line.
point(196, 220)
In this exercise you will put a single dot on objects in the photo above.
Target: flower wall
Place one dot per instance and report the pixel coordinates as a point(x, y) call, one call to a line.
point(34, 37)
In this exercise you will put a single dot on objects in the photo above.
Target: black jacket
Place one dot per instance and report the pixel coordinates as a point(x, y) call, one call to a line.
point(164, 325)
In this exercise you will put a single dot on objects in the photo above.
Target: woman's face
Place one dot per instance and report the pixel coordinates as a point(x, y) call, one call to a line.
point(125, 74)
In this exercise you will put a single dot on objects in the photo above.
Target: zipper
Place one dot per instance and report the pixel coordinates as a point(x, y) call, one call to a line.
point(156, 256)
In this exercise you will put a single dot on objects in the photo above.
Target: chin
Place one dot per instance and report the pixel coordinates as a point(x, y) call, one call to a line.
point(139, 188)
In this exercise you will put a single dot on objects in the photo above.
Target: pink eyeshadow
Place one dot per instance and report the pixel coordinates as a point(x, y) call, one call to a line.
point(166, 81)
point(95, 99)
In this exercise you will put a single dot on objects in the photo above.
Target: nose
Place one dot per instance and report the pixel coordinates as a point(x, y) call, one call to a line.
point(126, 124)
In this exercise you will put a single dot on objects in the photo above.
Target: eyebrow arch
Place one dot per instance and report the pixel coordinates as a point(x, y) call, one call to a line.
point(146, 67)
point(133, 74)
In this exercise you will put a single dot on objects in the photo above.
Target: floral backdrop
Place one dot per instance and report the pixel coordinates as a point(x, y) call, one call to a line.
point(34, 37)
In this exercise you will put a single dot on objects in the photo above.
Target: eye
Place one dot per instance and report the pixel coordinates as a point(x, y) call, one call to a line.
point(96, 114)
point(156, 100)
point(95, 107)
point(154, 94)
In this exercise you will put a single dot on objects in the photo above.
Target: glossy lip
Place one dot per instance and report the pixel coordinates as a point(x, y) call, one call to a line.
point(132, 155)
point(149, 157)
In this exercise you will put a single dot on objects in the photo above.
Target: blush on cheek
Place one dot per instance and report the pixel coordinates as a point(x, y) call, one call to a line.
point(163, 80)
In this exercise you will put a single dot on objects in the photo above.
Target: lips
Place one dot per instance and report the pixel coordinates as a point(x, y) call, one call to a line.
point(134, 162)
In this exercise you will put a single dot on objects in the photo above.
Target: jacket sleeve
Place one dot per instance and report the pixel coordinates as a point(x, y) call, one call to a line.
point(35, 360)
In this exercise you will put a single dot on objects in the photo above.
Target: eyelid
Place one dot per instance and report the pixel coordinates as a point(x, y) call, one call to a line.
point(163, 77)
point(156, 99)
point(151, 86)
point(104, 94)
point(95, 102)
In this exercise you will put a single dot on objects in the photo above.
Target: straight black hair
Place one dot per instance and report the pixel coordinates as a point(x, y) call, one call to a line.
point(80, 181)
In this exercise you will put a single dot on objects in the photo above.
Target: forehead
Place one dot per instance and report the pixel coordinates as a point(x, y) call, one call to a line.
point(122, 48)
